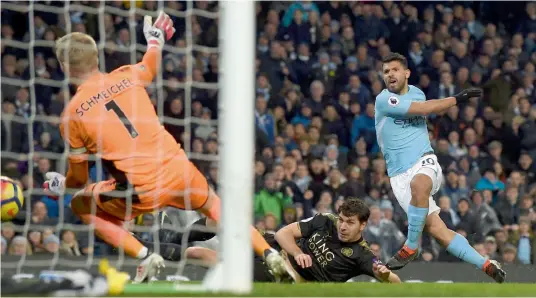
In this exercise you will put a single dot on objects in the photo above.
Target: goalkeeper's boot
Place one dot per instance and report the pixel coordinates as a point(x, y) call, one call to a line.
point(149, 268)
point(277, 266)
point(402, 258)
point(494, 270)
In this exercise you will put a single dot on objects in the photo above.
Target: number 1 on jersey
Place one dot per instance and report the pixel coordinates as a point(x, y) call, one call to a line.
point(112, 105)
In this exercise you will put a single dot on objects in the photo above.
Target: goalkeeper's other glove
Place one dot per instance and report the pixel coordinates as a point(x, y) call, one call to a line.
point(158, 33)
point(54, 185)
point(466, 94)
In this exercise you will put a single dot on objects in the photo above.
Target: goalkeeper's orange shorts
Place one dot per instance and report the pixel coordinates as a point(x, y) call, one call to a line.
point(182, 186)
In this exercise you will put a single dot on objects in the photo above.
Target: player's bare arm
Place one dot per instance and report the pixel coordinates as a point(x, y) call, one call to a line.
point(156, 35)
point(286, 237)
point(383, 274)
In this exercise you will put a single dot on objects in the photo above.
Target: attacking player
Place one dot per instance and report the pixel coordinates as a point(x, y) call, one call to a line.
point(412, 166)
point(111, 116)
point(323, 248)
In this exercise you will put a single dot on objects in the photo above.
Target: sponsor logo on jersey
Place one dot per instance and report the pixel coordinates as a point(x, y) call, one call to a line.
point(413, 121)
point(321, 252)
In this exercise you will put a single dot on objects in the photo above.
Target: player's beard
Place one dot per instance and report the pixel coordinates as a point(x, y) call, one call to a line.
point(399, 86)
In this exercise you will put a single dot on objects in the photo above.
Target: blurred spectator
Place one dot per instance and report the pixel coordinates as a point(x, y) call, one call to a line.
point(51, 243)
point(263, 119)
point(3, 245)
point(318, 69)
point(447, 214)
point(491, 247)
point(384, 232)
point(19, 246)
point(35, 239)
point(509, 254)
point(486, 219)
point(523, 238)
point(69, 244)
point(8, 232)
point(454, 187)
point(270, 200)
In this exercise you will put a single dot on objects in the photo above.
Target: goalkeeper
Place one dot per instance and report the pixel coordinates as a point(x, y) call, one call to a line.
point(324, 248)
point(111, 116)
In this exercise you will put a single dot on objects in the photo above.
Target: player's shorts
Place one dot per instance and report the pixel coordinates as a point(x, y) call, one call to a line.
point(427, 165)
point(182, 186)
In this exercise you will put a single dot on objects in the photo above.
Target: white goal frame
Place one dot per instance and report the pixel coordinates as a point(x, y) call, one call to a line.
point(234, 273)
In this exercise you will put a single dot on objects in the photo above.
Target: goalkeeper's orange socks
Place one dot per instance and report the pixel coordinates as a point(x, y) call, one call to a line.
point(260, 246)
point(259, 243)
point(108, 228)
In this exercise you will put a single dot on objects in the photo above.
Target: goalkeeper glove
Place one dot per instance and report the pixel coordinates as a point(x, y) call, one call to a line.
point(55, 184)
point(468, 93)
point(158, 33)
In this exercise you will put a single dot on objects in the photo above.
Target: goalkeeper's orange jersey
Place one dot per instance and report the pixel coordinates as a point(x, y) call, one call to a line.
point(112, 116)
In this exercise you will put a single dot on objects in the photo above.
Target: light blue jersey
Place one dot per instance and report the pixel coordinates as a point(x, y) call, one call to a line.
point(402, 138)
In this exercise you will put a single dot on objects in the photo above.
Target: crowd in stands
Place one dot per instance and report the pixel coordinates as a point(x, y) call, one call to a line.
point(318, 72)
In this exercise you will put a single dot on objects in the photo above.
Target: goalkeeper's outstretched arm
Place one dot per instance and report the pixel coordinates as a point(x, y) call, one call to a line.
point(156, 34)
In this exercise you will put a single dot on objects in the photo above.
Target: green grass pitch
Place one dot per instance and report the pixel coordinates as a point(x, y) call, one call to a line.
point(162, 289)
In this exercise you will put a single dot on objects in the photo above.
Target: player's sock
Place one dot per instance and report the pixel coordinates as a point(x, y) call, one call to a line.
point(416, 220)
point(142, 254)
point(107, 228)
point(460, 248)
point(171, 236)
point(116, 236)
point(168, 251)
point(260, 246)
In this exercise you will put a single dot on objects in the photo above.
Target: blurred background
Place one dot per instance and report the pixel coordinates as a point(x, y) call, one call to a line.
point(318, 70)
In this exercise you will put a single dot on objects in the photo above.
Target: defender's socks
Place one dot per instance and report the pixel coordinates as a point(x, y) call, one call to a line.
point(170, 236)
point(168, 251)
point(459, 247)
point(416, 220)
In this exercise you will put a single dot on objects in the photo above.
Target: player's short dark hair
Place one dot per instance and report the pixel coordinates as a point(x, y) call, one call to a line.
point(354, 206)
point(396, 57)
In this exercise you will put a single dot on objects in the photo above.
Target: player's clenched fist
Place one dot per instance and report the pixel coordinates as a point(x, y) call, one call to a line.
point(381, 271)
point(156, 34)
point(304, 260)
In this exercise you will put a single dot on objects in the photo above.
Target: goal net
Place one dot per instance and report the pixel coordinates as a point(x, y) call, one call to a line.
point(203, 96)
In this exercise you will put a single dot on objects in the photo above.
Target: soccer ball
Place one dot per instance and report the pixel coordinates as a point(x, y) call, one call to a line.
point(12, 198)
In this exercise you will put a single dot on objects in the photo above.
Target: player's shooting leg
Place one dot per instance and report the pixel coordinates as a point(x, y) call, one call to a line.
point(458, 246)
point(108, 228)
point(421, 187)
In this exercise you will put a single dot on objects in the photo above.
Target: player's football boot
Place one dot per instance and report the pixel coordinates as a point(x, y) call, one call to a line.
point(149, 268)
point(402, 258)
point(494, 270)
point(277, 266)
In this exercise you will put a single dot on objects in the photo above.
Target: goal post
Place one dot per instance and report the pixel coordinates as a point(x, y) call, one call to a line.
point(236, 140)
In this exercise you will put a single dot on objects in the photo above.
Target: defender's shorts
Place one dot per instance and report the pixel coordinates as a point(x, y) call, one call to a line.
point(427, 165)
